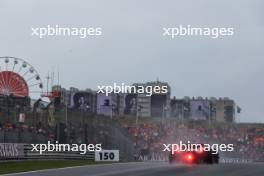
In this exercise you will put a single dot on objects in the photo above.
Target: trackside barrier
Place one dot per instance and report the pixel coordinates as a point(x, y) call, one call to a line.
point(153, 157)
point(12, 151)
point(235, 160)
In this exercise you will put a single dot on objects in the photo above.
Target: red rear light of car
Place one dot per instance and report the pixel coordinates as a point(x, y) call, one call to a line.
point(189, 157)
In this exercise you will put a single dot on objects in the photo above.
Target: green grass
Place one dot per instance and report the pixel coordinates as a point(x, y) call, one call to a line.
point(23, 166)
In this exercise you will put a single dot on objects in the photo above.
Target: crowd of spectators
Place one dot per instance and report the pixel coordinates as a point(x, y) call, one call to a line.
point(147, 137)
point(248, 139)
point(93, 132)
point(15, 132)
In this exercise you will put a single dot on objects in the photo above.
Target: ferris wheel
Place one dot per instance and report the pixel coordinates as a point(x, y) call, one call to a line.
point(18, 78)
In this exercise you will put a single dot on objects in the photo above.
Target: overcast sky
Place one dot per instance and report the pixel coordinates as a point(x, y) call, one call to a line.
point(132, 48)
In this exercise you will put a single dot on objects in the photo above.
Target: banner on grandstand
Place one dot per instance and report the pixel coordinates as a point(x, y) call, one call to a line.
point(83, 101)
point(22, 118)
point(10, 150)
point(107, 105)
point(200, 109)
point(130, 104)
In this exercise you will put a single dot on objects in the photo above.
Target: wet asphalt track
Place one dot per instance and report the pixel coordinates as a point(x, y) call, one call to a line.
point(154, 169)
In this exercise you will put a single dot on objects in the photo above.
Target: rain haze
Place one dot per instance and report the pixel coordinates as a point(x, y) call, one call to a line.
point(132, 47)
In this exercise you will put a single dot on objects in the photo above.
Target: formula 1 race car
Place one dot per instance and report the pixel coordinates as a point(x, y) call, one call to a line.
point(199, 156)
